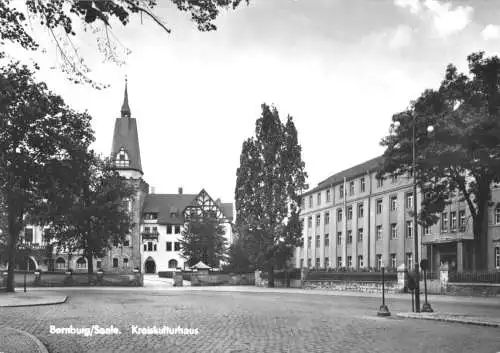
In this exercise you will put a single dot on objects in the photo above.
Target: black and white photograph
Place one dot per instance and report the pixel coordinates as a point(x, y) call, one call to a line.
point(262, 176)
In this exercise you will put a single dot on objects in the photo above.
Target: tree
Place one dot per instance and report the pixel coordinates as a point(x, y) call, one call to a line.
point(269, 181)
point(238, 259)
point(462, 158)
point(89, 213)
point(59, 14)
point(203, 239)
point(38, 135)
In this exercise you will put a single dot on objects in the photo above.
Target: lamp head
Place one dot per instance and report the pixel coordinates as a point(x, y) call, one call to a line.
point(430, 129)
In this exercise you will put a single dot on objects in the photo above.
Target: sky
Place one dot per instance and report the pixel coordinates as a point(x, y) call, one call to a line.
point(340, 68)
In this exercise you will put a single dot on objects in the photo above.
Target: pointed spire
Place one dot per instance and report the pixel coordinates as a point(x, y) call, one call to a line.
point(125, 108)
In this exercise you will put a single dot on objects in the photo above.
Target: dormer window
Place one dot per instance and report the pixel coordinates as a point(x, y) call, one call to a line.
point(151, 216)
point(122, 159)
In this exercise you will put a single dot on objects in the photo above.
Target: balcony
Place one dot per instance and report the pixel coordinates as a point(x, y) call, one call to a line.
point(32, 246)
point(150, 235)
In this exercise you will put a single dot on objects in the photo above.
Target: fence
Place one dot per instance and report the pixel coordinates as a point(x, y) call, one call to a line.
point(351, 276)
point(475, 277)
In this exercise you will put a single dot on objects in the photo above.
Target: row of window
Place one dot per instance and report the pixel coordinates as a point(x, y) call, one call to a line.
point(362, 188)
point(81, 263)
point(360, 261)
point(152, 246)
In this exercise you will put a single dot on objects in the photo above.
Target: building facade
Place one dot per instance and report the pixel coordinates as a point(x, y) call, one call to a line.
point(154, 241)
point(355, 220)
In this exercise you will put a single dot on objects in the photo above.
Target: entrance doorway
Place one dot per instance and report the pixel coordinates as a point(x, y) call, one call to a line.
point(150, 266)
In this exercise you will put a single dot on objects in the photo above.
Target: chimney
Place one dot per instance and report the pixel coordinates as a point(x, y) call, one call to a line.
point(180, 191)
point(153, 189)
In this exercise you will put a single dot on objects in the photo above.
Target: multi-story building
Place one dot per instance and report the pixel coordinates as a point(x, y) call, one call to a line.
point(355, 220)
point(154, 243)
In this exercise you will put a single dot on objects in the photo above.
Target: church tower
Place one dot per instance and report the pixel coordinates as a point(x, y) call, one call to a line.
point(126, 157)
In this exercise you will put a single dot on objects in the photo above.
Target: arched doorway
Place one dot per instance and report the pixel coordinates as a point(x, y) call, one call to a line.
point(150, 265)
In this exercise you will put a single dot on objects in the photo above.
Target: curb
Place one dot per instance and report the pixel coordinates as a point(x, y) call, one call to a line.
point(449, 319)
point(41, 347)
point(36, 304)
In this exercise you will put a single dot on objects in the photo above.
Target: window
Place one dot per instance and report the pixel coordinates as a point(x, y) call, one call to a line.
point(115, 262)
point(150, 246)
point(362, 184)
point(394, 178)
point(360, 234)
point(309, 241)
point(122, 159)
point(318, 241)
point(327, 240)
point(444, 222)
point(303, 203)
point(172, 264)
point(409, 201)
point(497, 257)
point(169, 229)
point(341, 191)
point(360, 261)
point(339, 238)
point(351, 188)
point(310, 201)
point(125, 263)
point(379, 206)
point(339, 215)
point(318, 220)
point(301, 263)
point(177, 229)
point(393, 261)
point(150, 216)
point(339, 262)
point(309, 263)
point(99, 264)
point(360, 210)
point(409, 229)
point(380, 182)
point(378, 263)
point(60, 264)
point(327, 218)
point(81, 263)
point(309, 222)
point(378, 232)
point(453, 220)
point(409, 260)
point(394, 231)
point(126, 243)
point(28, 235)
point(177, 246)
point(461, 220)
point(497, 215)
point(410, 174)
point(328, 195)
point(349, 236)
point(394, 203)
point(349, 261)
point(145, 247)
point(317, 262)
point(147, 230)
point(427, 230)
point(349, 212)
point(327, 262)
point(319, 198)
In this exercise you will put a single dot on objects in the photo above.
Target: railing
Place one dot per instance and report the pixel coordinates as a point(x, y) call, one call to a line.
point(480, 277)
point(150, 235)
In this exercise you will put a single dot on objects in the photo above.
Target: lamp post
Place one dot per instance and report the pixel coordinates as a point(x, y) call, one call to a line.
point(383, 310)
point(430, 129)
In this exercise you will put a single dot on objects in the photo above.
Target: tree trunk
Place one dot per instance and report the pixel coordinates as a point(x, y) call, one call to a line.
point(270, 276)
point(14, 229)
point(90, 267)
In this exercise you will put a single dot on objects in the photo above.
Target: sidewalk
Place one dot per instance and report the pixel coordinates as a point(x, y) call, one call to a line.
point(30, 298)
point(17, 341)
point(457, 318)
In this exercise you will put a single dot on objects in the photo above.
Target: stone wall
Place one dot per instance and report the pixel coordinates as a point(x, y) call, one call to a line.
point(473, 289)
point(58, 279)
point(216, 279)
point(366, 287)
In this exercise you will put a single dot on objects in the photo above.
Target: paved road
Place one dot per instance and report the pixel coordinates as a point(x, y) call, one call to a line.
point(244, 322)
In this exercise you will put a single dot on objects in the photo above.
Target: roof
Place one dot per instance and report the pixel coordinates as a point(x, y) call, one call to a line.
point(170, 207)
point(351, 173)
point(201, 266)
point(165, 204)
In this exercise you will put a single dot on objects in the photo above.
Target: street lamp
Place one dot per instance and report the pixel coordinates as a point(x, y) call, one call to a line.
point(383, 310)
point(430, 129)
